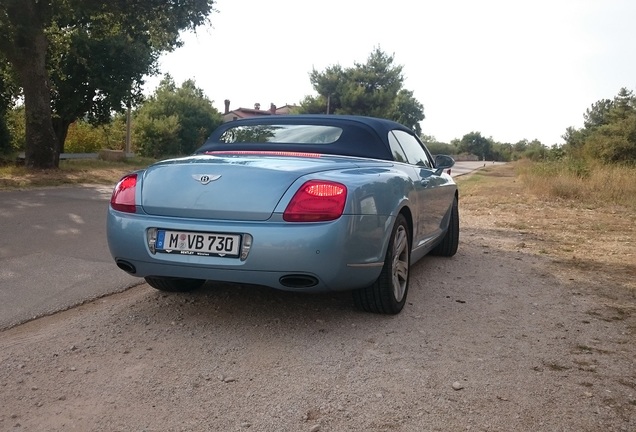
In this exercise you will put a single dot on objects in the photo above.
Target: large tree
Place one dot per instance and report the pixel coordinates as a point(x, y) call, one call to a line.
point(329, 85)
point(408, 110)
point(85, 58)
point(94, 72)
point(374, 88)
point(475, 143)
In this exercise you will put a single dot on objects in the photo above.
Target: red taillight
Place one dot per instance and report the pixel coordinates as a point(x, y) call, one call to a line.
point(317, 201)
point(123, 198)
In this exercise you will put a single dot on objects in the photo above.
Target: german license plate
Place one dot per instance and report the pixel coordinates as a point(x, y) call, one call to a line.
point(198, 243)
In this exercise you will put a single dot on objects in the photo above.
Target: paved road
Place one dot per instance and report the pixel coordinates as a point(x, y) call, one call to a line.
point(53, 251)
point(462, 168)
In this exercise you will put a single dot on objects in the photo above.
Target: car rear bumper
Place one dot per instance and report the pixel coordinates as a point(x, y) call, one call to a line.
point(313, 257)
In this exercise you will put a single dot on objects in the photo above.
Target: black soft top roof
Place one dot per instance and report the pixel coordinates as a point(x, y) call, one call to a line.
point(361, 136)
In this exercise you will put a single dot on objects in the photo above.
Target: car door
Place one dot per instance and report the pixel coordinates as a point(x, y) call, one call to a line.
point(433, 198)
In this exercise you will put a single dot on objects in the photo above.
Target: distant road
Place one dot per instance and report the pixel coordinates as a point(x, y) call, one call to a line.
point(465, 167)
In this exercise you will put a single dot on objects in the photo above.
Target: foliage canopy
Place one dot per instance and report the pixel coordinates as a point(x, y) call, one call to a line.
point(175, 120)
point(609, 131)
point(85, 58)
point(374, 88)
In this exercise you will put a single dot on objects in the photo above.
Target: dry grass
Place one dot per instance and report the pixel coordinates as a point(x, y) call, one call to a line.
point(69, 172)
point(590, 183)
point(589, 232)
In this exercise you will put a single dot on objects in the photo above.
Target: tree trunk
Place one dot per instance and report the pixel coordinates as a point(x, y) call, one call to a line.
point(60, 128)
point(41, 146)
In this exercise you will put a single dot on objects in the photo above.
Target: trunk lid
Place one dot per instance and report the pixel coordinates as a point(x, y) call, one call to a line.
point(245, 188)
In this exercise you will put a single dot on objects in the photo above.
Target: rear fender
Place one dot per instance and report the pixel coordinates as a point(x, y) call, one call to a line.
point(374, 191)
point(375, 196)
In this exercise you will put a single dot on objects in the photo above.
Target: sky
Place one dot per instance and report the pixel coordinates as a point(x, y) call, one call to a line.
point(509, 69)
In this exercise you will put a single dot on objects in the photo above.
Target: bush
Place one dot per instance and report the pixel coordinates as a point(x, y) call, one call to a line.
point(82, 138)
point(615, 142)
point(175, 120)
point(158, 137)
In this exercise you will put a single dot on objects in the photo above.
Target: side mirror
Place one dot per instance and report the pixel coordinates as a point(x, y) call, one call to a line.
point(443, 162)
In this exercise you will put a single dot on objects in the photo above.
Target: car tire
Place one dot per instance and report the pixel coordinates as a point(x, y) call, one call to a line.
point(388, 293)
point(450, 242)
point(171, 284)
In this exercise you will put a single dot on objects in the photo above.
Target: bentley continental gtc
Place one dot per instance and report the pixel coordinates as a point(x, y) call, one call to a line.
point(300, 203)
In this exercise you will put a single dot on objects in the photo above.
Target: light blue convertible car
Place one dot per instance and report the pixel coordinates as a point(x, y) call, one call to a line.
point(299, 203)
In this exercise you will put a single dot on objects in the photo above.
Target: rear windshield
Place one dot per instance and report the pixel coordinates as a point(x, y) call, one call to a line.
point(298, 133)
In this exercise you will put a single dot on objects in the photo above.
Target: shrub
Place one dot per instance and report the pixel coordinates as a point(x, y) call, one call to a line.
point(158, 137)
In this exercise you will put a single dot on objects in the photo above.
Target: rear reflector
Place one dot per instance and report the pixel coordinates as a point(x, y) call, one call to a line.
point(123, 198)
point(317, 201)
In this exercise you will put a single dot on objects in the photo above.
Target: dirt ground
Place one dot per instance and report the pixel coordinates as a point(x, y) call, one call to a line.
point(529, 327)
